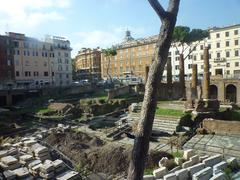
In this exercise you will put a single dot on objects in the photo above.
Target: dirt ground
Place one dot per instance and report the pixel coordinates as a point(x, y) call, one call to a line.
point(96, 155)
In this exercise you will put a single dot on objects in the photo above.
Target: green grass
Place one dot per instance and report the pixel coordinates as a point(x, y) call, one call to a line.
point(177, 154)
point(169, 112)
point(235, 115)
point(149, 171)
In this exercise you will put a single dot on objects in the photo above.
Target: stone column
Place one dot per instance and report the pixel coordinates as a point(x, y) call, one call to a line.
point(206, 74)
point(182, 76)
point(194, 81)
point(169, 77)
point(146, 73)
point(9, 99)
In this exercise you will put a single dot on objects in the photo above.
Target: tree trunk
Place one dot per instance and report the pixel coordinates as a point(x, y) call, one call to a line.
point(110, 78)
point(144, 130)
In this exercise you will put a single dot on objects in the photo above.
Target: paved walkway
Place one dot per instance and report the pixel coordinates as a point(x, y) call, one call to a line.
point(213, 144)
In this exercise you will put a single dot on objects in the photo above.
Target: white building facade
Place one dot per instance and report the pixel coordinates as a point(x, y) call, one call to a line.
point(224, 54)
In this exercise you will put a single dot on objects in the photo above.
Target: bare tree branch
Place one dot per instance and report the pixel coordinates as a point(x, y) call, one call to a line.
point(173, 6)
point(192, 49)
point(158, 8)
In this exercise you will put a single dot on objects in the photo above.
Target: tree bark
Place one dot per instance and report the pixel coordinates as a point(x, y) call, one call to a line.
point(144, 130)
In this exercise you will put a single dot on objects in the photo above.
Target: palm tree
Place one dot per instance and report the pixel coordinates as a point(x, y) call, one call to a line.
point(109, 53)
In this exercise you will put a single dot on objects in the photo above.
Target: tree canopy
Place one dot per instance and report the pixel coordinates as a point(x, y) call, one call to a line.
point(110, 51)
point(183, 34)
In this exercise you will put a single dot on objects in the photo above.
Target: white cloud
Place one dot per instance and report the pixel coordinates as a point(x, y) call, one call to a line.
point(102, 39)
point(19, 14)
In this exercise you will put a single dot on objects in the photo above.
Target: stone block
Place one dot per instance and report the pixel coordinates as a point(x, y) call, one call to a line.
point(49, 175)
point(193, 169)
point(201, 158)
point(47, 167)
point(171, 176)
point(9, 160)
point(9, 175)
point(182, 174)
point(148, 177)
point(204, 174)
point(163, 162)
point(160, 172)
point(188, 153)
point(194, 159)
point(178, 161)
point(219, 176)
point(29, 143)
point(219, 167)
point(211, 161)
point(175, 169)
point(187, 164)
point(34, 163)
point(232, 161)
point(3, 153)
point(68, 175)
point(21, 172)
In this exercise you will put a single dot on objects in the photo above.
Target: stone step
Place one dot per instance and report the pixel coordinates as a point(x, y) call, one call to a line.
point(159, 121)
point(169, 118)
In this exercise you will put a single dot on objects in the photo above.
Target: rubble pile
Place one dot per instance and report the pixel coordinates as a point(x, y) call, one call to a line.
point(193, 166)
point(28, 159)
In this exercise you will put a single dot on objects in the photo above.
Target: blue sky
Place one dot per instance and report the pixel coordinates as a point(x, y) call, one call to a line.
point(92, 23)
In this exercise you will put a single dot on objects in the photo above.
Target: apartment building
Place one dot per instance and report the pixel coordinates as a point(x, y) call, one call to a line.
point(61, 60)
point(88, 64)
point(36, 64)
point(133, 55)
point(131, 59)
point(6, 61)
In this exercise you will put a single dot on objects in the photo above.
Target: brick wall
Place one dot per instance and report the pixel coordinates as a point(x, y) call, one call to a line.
point(222, 127)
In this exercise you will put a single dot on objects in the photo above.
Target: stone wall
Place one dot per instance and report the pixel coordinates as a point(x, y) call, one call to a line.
point(222, 127)
point(112, 93)
point(163, 91)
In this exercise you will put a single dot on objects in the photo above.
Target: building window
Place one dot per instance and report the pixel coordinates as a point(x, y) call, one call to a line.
point(35, 73)
point(17, 73)
point(26, 63)
point(67, 76)
point(66, 54)
point(236, 53)
point(176, 67)
point(235, 32)
point(236, 42)
point(194, 58)
point(45, 73)
point(228, 72)
point(227, 54)
point(218, 45)
point(228, 64)
point(24, 53)
point(176, 52)
point(45, 63)
point(227, 34)
point(177, 58)
point(201, 47)
point(9, 62)
point(201, 57)
point(218, 35)
point(189, 66)
point(210, 56)
point(28, 53)
point(236, 64)
point(227, 43)
point(218, 55)
point(209, 46)
point(52, 73)
point(27, 73)
point(66, 61)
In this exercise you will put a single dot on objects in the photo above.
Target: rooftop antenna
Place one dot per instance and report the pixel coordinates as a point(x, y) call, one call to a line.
point(6, 28)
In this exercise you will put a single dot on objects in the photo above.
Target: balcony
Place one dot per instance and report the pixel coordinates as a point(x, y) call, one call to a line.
point(217, 60)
